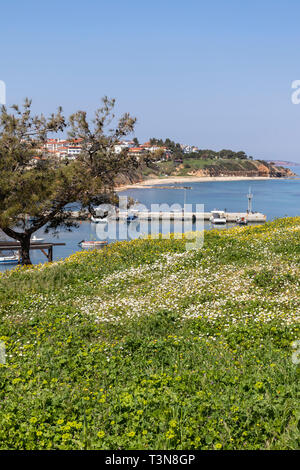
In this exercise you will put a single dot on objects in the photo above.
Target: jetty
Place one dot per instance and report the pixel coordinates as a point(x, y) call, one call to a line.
point(46, 248)
point(163, 215)
point(231, 217)
point(177, 215)
point(249, 216)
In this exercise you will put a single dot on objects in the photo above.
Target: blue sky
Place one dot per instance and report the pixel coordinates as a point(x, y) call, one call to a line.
point(215, 74)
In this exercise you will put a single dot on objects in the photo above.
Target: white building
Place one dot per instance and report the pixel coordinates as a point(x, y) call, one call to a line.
point(73, 151)
point(123, 144)
point(189, 148)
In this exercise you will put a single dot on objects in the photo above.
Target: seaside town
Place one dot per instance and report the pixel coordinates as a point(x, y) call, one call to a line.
point(163, 157)
point(70, 148)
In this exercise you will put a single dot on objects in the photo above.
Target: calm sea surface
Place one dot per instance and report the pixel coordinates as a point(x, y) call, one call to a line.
point(275, 198)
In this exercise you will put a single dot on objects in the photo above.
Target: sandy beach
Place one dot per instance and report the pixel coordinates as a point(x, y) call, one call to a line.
point(150, 183)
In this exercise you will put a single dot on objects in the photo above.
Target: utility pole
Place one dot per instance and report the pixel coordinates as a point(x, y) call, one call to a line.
point(250, 197)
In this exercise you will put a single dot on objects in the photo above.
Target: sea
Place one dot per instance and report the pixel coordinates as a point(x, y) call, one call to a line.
point(275, 198)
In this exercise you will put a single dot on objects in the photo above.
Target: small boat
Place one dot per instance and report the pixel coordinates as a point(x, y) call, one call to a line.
point(35, 239)
point(99, 220)
point(241, 221)
point(92, 243)
point(10, 258)
point(132, 215)
point(131, 218)
point(218, 217)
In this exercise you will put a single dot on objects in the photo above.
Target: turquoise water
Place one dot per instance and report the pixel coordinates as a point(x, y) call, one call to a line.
point(275, 198)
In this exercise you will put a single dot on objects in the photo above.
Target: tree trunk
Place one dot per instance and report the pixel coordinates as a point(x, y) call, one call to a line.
point(25, 252)
point(24, 239)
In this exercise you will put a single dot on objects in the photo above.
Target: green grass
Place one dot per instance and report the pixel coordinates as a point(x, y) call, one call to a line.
point(145, 345)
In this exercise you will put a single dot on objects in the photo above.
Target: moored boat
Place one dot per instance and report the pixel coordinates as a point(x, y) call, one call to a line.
point(35, 239)
point(218, 217)
point(131, 217)
point(99, 220)
point(10, 258)
point(241, 221)
point(92, 243)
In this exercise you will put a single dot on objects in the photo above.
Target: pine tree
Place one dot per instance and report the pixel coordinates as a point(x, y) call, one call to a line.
point(36, 187)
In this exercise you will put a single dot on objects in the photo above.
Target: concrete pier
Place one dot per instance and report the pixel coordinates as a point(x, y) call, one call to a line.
point(230, 216)
point(147, 215)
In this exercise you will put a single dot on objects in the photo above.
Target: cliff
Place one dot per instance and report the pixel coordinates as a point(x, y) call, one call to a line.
point(243, 168)
point(227, 167)
point(200, 168)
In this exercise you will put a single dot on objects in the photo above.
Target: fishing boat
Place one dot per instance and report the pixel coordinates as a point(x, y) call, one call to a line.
point(92, 243)
point(10, 258)
point(218, 217)
point(241, 221)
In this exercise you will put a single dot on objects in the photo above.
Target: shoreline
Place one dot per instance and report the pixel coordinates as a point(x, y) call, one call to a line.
point(151, 183)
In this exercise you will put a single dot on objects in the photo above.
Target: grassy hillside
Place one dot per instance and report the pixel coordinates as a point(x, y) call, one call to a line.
point(145, 345)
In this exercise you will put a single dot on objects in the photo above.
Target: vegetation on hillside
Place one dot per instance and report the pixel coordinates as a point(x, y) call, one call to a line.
point(207, 162)
point(190, 165)
point(205, 154)
point(214, 167)
point(145, 345)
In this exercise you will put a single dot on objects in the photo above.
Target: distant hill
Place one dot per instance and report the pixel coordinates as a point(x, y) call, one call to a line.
point(209, 167)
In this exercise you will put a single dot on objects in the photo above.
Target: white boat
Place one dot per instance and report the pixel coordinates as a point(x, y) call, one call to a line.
point(35, 239)
point(100, 214)
point(92, 243)
point(99, 220)
point(10, 258)
point(218, 217)
point(131, 217)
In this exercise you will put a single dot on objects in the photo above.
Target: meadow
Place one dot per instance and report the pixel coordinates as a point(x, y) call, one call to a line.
point(145, 345)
